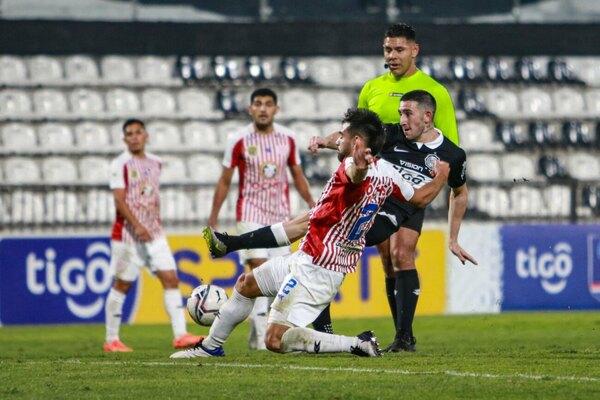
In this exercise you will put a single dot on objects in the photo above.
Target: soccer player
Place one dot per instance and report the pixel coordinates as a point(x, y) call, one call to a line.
point(137, 237)
point(306, 281)
point(262, 152)
point(412, 147)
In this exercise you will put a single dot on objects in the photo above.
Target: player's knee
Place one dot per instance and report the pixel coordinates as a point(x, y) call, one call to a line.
point(244, 284)
point(122, 286)
point(403, 258)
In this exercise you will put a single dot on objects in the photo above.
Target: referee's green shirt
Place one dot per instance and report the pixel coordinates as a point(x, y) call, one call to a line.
point(382, 96)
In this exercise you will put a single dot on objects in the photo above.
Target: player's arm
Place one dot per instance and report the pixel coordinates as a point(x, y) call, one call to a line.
point(301, 184)
point(426, 193)
point(362, 158)
point(456, 210)
point(220, 195)
point(323, 142)
point(121, 205)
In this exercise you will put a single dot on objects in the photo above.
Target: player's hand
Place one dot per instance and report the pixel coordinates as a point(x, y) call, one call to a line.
point(461, 254)
point(142, 233)
point(316, 143)
point(361, 155)
point(441, 168)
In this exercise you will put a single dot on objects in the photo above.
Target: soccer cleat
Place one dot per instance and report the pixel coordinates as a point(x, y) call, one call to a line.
point(199, 351)
point(367, 345)
point(405, 343)
point(117, 346)
point(217, 242)
point(186, 340)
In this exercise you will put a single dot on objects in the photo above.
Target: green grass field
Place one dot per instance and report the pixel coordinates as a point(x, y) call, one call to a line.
point(515, 355)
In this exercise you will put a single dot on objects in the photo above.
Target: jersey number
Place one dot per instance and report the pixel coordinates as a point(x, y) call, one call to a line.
point(366, 214)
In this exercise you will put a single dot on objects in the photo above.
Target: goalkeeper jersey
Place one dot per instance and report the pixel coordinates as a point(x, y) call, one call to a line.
point(382, 95)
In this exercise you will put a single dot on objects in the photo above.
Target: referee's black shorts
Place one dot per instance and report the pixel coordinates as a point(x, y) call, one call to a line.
point(383, 227)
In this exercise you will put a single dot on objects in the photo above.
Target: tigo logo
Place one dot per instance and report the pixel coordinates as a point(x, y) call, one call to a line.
point(551, 268)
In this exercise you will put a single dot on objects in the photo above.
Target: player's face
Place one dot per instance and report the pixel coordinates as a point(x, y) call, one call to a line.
point(135, 137)
point(262, 111)
point(400, 54)
point(413, 120)
point(344, 143)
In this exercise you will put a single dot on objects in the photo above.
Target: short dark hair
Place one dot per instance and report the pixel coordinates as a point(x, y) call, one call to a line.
point(421, 97)
point(263, 92)
point(401, 30)
point(366, 124)
point(132, 121)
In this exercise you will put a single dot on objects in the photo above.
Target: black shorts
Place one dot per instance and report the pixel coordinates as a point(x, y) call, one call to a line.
point(383, 227)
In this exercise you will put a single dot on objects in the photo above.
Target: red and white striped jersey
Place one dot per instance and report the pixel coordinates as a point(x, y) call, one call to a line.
point(140, 177)
point(262, 161)
point(345, 212)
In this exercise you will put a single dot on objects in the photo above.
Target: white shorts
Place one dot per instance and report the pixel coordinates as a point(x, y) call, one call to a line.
point(249, 254)
point(303, 293)
point(127, 259)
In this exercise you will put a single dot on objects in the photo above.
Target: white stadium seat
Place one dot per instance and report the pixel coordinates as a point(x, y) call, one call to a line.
point(92, 136)
point(45, 70)
point(12, 71)
point(536, 102)
point(50, 103)
point(19, 137)
point(359, 70)
point(204, 168)
point(558, 200)
point(326, 71)
point(21, 170)
point(163, 136)
point(483, 167)
point(228, 128)
point(99, 206)
point(201, 135)
point(15, 103)
point(584, 166)
point(592, 102)
point(304, 131)
point(86, 103)
point(27, 207)
point(587, 69)
point(330, 127)
point(173, 170)
point(158, 103)
point(477, 135)
point(518, 167)
point(298, 103)
point(122, 103)
point(568, 102)
point(94, 169)
point(333, 103)
point(526, 201)
point(197, 103)
point(81, 69)
point(492, 200)
point(176, 205)
point(62, 207)
point(118, 70)
point(155, 70)
point(55, 137)
point(502, 102)
point(59, 170)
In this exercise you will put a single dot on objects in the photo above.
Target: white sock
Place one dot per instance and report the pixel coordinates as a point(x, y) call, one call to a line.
point(258, 322)
point(311, 341)
point(174, 307)
point(280, 235)
point(112, 314)
point(235, 310)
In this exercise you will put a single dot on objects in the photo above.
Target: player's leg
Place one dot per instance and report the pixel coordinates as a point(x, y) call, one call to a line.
point(403, 245)
point(264, 280)
point(258, 316)
point(160, 261)
point(305, 292)
point(125, 265)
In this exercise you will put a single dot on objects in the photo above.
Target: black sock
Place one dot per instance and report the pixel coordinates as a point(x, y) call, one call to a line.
point(323, 321)
point(390, 284)
point(411, 288)
point(398, 290)
point(262, 238)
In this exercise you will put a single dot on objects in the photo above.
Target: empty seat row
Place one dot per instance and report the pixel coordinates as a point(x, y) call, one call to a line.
point(487, 135)
point(85, 70)
point(523, 168)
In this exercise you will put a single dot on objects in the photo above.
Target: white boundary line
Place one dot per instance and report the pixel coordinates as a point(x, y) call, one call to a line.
point(339, 369)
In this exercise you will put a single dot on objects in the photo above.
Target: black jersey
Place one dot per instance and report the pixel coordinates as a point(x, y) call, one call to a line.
point(415, 161)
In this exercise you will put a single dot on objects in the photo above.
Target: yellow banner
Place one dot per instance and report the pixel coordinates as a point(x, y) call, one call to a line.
point(361, 295)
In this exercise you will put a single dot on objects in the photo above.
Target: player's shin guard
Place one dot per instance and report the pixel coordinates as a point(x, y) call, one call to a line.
point(174, 307)
point(258, 323)
point(113, 313)
point(390, 287)
point(311, 341)
point(235, 310)
point(263, 238)
point(323, 321)
point(411, 290)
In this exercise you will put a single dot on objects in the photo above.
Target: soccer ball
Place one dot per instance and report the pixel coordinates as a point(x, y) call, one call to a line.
point(204, 303)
